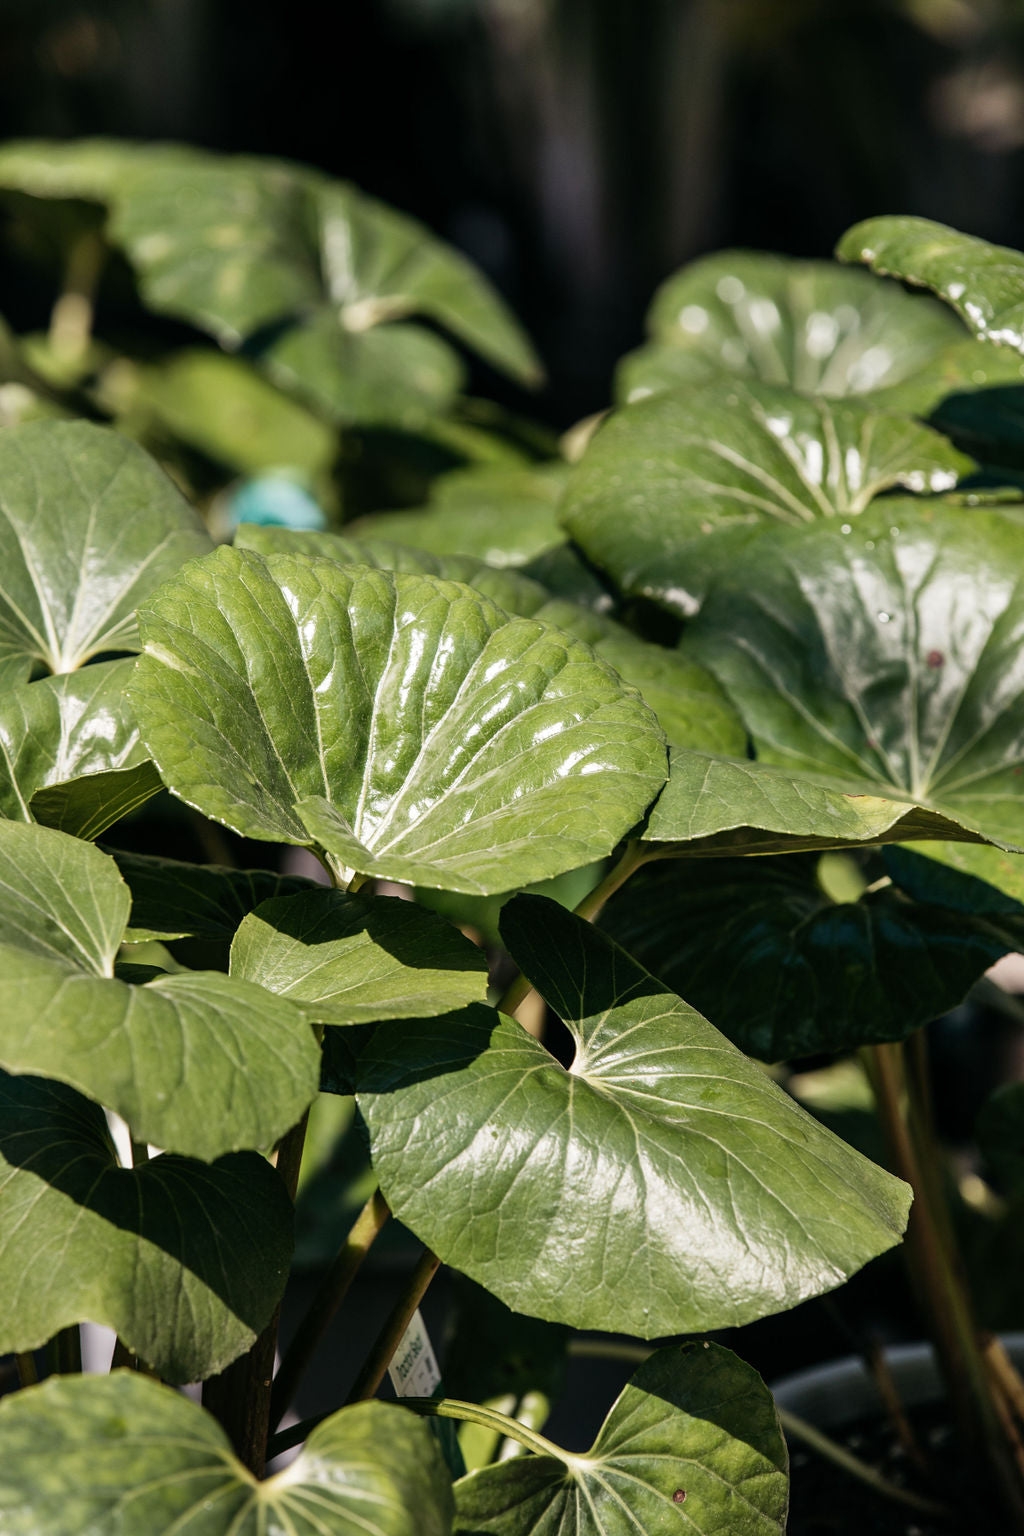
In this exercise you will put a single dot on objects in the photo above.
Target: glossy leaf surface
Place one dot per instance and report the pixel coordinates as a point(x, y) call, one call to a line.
point(402, 723)
point(666, 480)
point(195, 1062)
point(121, 1452)
point(689, 703)
point(70, 754)
point(89, 524)
point(784, 970)
point(886, 661)
point(354, 960)
point(184, 1261)
point(811, 325)
point(984, 283)
point(689, 1190)
point(692, 1444)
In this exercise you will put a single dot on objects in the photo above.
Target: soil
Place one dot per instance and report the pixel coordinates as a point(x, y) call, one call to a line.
point(826, 1501)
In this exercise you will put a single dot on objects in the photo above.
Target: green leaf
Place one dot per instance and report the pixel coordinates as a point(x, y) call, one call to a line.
point(227, 410)
point(354, 960)
point(185, 1262)
point(692, 1444)
point(668, 486)
point(174, 900)
point(984, 283)
point(689, 704)
point(689, 1190)
point(194, 1062)
point(89, 525)
point(70, 754)
point(402, 723)
point(123, 1453)
point(785, 971)
point(1000, 1132)
point(884, 661)
point(811, 325)
point(1003, 870)
point(505, 516)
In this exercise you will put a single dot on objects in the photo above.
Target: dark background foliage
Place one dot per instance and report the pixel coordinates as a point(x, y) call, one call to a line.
point(578, 149)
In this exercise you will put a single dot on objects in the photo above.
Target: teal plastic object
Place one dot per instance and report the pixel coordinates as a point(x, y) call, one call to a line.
point(278, 499)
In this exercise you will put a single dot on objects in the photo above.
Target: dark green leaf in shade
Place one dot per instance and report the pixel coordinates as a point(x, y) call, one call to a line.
point(185, 1261)
point(691, 1445)
point(984, 283)
point(89, 524)
point(690, 705)
point(354, 960)
point(194, 1062)
point(670, 485)
point(690, 1191)
point(1003, 870)
point(1000, 1133)
point(814, 326)
point(70, 754)
point(785, 971)
point(403, 724)
point(123, 1453)
point(882, 659)
point(172, 899)
point(506, 516)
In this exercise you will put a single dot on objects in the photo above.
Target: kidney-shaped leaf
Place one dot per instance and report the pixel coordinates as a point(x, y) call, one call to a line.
point(689, 703)
point(984, 283)
point(89, 525)
point(691, 1444)
point(70, 754)
point(403, 724)
point(814, 326)
point(666, 479)
point(689, 1190)
point(355, 960)
point(786, 971)
point(175, 900)
point(186, 1262)
point(195, 1062)
point(121, 1452)
point(884, 658)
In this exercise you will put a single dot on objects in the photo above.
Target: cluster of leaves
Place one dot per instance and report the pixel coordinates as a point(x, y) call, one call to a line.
point(464, 699)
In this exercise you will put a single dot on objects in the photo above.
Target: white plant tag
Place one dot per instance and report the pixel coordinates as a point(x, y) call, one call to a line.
point(413, 1369)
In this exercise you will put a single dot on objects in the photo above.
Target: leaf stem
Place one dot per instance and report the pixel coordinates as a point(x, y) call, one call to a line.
point(328, 1299)
point(390, 1336)
point(634, 855)
point(828, 1448)
point(25, 1363)
point(64, 1352)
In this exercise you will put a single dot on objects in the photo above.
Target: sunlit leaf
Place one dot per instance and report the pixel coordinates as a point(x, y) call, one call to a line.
point(121, 1452)
point(689, 1190)
point(402, 723)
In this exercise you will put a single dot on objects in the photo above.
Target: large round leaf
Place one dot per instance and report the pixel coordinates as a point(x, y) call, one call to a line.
point(784, 970)
point(689, 1190)
point(122, 1453)
point(195, 1062)
point(88, 526)
point(185, 1262)
point(984, 283)
point(812, 325)
point(175, 900)
point(689, 704)
point(70, 754)
point(886, 659)
point(403, 724)
point(354, 960)
point(666, 480)
point(691, 1444)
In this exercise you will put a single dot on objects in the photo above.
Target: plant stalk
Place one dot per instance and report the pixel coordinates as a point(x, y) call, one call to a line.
point(390, 1336)
point(937, 1279)
point(326, 1303)
point(26, 1367)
